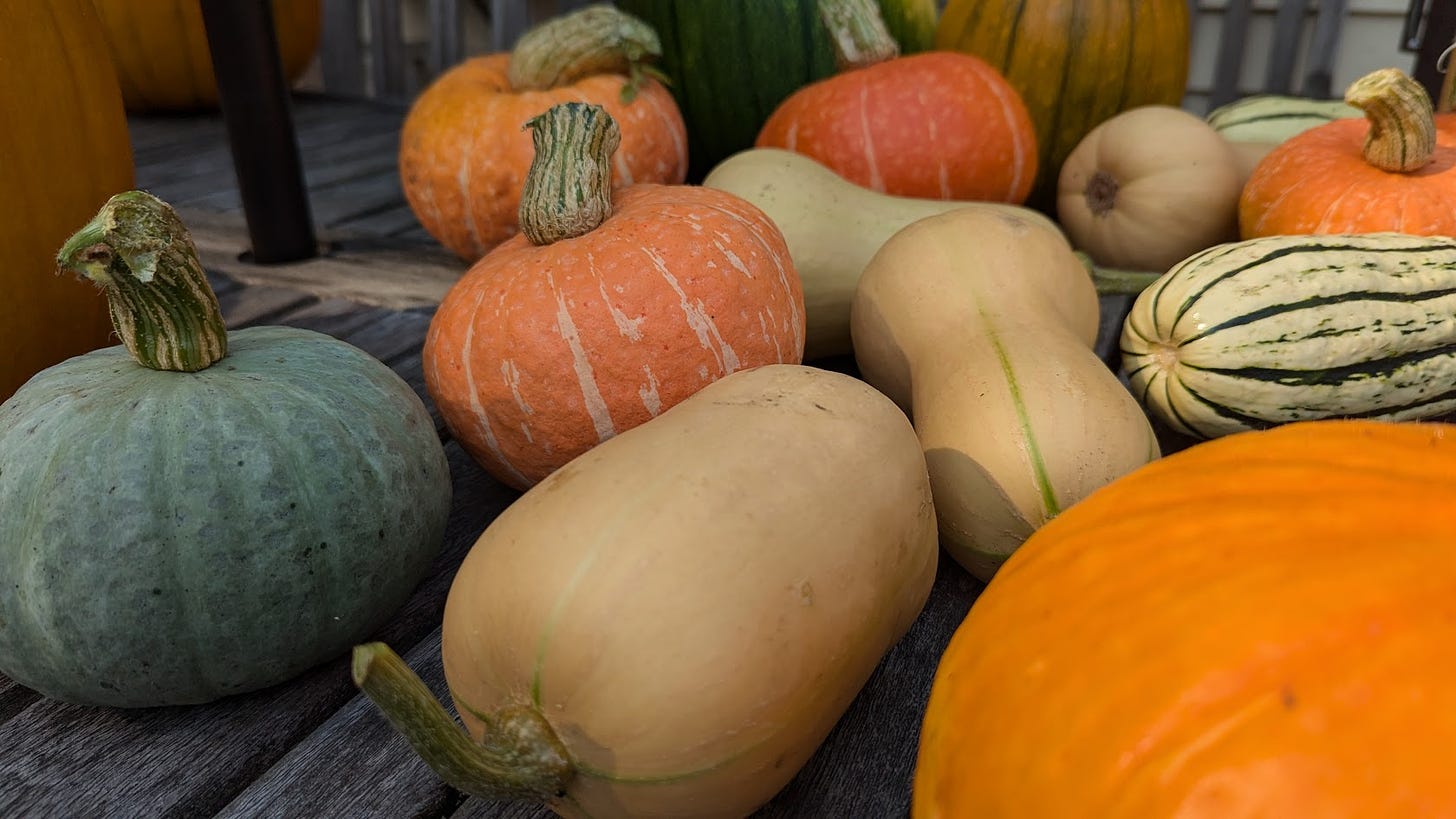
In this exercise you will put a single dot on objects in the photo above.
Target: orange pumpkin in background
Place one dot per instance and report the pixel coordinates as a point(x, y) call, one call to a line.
point(1393, 171)
point(464, 153)
point(936, 125)
point(1261, 625)
point(598, 317)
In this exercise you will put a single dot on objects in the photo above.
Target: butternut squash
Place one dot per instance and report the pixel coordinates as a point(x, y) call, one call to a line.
point(670, 624)
point(832, 227)
point(981, 326)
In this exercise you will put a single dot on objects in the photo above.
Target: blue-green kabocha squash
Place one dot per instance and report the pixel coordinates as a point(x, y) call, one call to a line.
point(200, 513)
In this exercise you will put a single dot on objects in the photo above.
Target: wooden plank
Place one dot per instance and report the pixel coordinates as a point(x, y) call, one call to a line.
point(1230, 60)
point(341, 56)
point(394, 336)
point(249, 306)
point(67, 760)
point(365, 157)
point(1319, 70)
point(1288, 26)
point(398, 221)
point(14, 698)
point(386, 49)
point(446, 39)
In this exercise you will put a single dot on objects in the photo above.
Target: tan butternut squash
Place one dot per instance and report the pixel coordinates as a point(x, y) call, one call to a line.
point(670, 624)
point(981, 326)
point(832, 227)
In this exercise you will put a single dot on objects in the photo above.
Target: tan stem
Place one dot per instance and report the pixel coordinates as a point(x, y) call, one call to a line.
point(858, 31)
point(1402, 134)
point(568, 189)
point(597, 39)
point(521, 758)
point(162, 306)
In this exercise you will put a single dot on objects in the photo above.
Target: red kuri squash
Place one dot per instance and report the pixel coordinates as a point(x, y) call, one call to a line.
point(937, 125)
point(464, 153)
point(606, 309)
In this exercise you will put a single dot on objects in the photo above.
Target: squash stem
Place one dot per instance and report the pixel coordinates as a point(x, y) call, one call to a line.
point(139, 252)
point(858, 31)
point(1402, 134)
point(568, 189)
point(597, 39)
point(1111, 281)
point(521, 758)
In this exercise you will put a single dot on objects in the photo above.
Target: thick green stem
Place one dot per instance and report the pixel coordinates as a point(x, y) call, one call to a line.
point(1402, 133)
point(164, 310)
point(598, 39)
point(1111, 281)
point(858, 31)
point(568, 190)
point(520, 759)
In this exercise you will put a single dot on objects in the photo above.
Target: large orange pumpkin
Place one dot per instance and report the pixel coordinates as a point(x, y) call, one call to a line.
point(161, 55)
point(1262, 625)
point(464, 155)
point(64, 150)
point(936, 125)
point(1394, 170)
point(594, 320)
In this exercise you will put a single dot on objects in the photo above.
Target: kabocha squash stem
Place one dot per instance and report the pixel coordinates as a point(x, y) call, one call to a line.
point(522, 758)
point(162, 307)
point(1402, 133)
point(568, 190)
point(598, 39)
point(858, 32)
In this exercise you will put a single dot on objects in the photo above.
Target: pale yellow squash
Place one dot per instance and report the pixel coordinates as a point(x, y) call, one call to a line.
point(981, 325)
point(670, 624)
point(832, 227)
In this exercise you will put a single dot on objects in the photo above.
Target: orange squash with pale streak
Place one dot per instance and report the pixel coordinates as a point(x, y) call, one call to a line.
point(936, 125)
point(1393, 171)
point(1262, 625)
point(464, 152)
point(562, 337)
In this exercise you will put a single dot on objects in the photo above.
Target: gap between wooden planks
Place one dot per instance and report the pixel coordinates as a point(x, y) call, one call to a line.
point(370, 270)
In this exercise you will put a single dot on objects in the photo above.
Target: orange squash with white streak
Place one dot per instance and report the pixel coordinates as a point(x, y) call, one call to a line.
point(938, 125)
point(594, 320)
point(464, 155)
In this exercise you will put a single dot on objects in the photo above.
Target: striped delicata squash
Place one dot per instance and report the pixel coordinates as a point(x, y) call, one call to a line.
point(1267, 331)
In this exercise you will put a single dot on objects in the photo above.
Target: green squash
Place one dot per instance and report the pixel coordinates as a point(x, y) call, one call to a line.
point(731, 62)
point(201, 513)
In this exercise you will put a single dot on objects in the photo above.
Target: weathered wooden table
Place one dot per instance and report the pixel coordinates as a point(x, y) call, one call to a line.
point(314, 747)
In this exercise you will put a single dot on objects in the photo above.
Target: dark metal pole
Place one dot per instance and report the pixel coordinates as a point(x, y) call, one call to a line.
point(253, 95)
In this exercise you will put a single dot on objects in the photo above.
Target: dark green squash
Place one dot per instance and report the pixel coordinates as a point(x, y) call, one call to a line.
point(731, 62)
point(200, 513)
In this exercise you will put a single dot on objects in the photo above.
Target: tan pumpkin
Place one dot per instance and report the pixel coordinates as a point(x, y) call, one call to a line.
point(607, 309)
point(64, 150)
point(162, 58)
point(464, 152)
point(1258, 626)
point(1148, 188)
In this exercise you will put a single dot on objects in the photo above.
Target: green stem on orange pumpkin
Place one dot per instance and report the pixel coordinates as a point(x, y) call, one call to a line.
point(858, 32)
point(1111, 281)
point(568, 189)
point(137, 249)
point(1402, 133)
point(598, 39)
point(521, 758)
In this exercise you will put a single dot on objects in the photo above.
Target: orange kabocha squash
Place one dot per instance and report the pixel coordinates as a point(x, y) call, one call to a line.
point(464, 153)
point(1394, 171)
point(606, 309)
point(162, 57)
point(64, 151)
point(937, 125)
point(1262, 625)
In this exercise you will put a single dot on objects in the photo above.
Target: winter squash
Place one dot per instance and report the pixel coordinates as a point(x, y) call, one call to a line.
point(937, 125)
point(56, 111)
point(198, 513)
point(670, 624)
point(162, 58)
point(1148, 188)
point(1074, 62)
point(1255, 626)
point(607, 309)
point(832, 226)
point(1289, 328)
point(731, 63)
point(1273, 118)
point(1395, 170)
point(981, 325)
point(464, 150)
